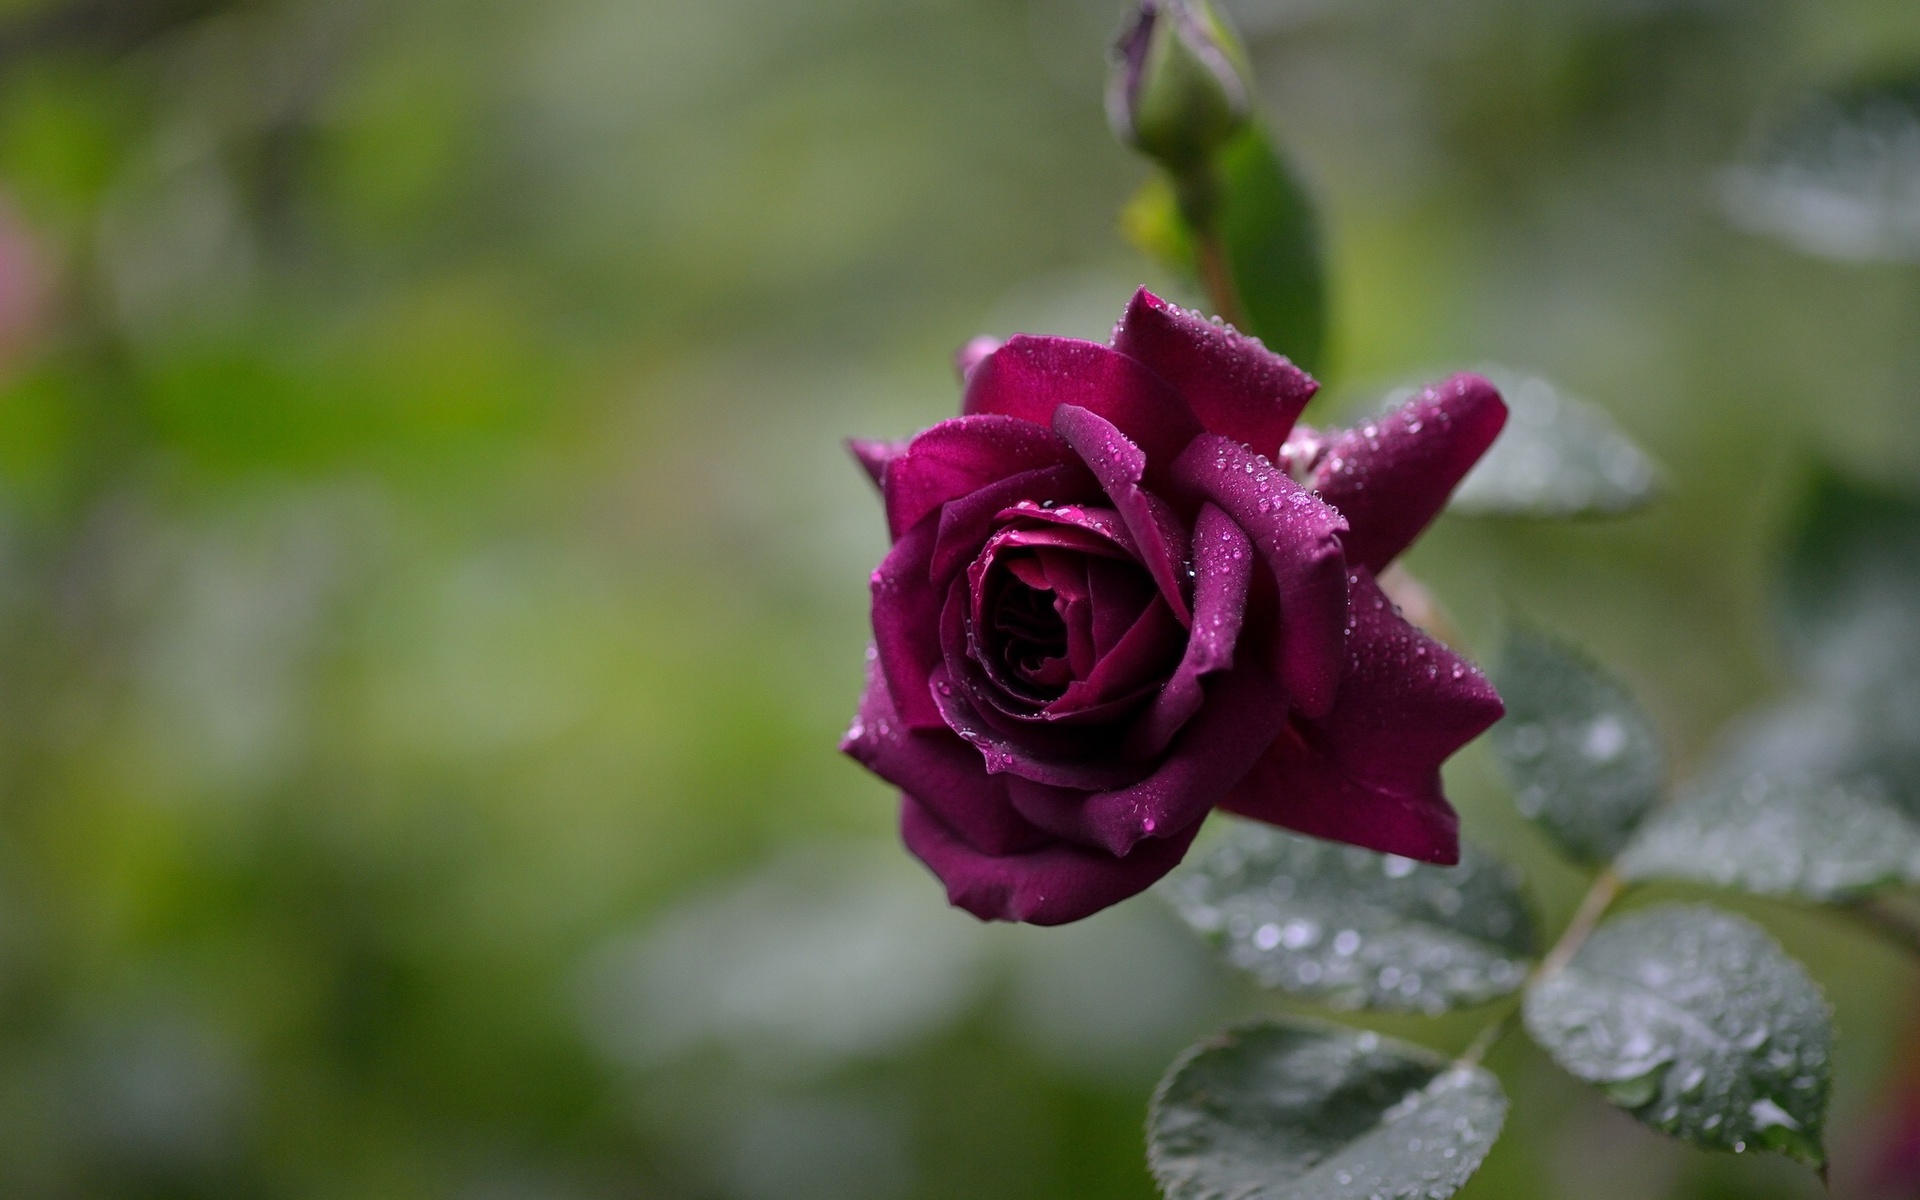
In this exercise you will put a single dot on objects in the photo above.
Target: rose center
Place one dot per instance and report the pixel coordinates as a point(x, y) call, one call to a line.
point(1031, 636)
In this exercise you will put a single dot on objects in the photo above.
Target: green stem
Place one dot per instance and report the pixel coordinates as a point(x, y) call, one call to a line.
point(1893, 921)
point(1198, 192)
point(1217, 277)
point(1594, 905)
point(1487, 1038)
point(1606, 888)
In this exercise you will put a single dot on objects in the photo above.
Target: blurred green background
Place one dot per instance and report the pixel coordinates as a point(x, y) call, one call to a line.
point(431, 586)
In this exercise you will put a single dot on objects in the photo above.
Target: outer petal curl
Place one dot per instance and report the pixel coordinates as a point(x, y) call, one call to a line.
point(1369, 772)
point(1233, 384)
point(958, 457)
point(906, 624)
point(1030, 377)
point(1391, 477)
point(1051, 885)
point(873, 456)
point(939, 768)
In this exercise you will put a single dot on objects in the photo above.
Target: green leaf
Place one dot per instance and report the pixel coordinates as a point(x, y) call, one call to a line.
point(1819, 797)
point(1557, 457)
point(1269, 236)
point(1296, 1111)
point(1835, 176)
point(1795, 806)
point(1272, 242)
point(1356, 929)
point(1779, 834)
point(1850, 617)
point(1696, 1022)
point(1582, 757)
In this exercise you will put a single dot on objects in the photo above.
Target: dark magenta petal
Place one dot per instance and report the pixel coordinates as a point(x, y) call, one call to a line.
point(1057, 755)
point(959, 457)
point(1051, 885)
point(1096, 518)
point(966, 523)
point(1030, 377)
point(1392, 476)
point(1299, 538)
point(1136, 661)
point(906, 624)
point(1369, 772)
point(1243, 713)
point(1117, 593)
point(1408, 701)
point(1298, 788)
point(1223, 569)
point(1233, 384)
point(1119, 465)
point(940, 769)
point(874, 456)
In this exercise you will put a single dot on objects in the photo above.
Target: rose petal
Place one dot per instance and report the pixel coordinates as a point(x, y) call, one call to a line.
point(1118, 593)
point(873, 456)
point(1298, 788)
point(943, 771)
point(1392, 476)
point(1030, 377)
point(1051, 885)
point(958, 457)
point(1369, 772)
point(1223, 569)
point(1137, 661)
point(1045, 752)
point(969, 356)
point(1299, 537)
point(1119, 465)
point(1244, 711)
point(1234, 385)
point(966, 523)
point(906, 624)
point(1093, 517)
point(1408, 701)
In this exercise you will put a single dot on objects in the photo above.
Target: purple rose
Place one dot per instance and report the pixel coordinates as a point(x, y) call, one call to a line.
point(1125, 589)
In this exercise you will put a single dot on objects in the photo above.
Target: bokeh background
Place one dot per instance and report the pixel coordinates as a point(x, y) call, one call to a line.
point(431, 586)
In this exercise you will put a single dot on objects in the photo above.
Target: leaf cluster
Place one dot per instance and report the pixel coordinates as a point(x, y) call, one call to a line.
point(1691, 1018)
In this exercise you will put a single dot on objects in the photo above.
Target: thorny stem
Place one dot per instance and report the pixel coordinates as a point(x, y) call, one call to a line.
point(1896, 922)
point(1606, 888)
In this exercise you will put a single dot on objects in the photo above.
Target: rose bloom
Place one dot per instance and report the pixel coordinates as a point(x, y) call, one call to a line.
point(1125, 588)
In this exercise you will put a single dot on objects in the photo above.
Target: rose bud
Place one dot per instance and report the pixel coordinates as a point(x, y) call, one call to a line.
point(1179, 87)
point(1107, 611)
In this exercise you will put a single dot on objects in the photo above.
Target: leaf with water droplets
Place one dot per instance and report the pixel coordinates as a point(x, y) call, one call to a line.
point(1852, 622)
point(1356, 929)
point(1836, 176)
point(1766, 824)
point(1288, 1110)
point(1697, 1023)
point(1580, 753)
point(1557, 457)
point(1819, 796)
